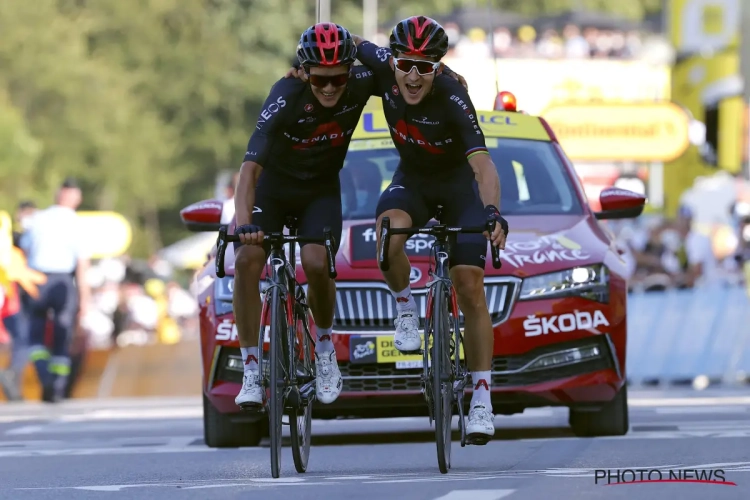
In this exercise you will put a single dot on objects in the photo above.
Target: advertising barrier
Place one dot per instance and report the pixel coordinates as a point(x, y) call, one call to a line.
point(689, 337)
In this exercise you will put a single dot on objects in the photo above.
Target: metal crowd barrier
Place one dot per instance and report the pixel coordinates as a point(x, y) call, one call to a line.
point(693, 337)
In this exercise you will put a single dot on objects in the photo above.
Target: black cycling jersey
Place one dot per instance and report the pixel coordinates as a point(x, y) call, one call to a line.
point(436, 137)
point(298, 137)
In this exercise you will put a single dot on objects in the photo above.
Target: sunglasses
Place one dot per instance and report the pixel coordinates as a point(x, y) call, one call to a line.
point(423, 67)
point(321, 81)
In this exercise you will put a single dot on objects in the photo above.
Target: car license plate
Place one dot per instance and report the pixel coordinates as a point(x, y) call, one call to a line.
point(405, 365)
point(380, 349)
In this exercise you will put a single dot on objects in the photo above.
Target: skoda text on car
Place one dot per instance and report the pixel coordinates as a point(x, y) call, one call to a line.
point(558, 304)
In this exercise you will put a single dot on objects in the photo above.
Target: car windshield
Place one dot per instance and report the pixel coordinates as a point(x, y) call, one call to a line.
point(532, 177)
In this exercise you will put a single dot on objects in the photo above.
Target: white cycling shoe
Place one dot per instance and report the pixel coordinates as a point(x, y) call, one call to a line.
point(407, 338)
point(481, 426)
point(251, 394)
point(328, 382)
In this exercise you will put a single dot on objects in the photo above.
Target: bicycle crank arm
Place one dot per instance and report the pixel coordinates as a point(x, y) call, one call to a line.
point(461, 422)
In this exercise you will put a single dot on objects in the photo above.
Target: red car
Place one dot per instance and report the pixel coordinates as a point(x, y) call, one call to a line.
point(558, 304)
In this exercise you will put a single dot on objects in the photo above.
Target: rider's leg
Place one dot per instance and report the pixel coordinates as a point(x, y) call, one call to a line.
point(248, 267)
point(405, 207)
point(323, 211)
point(468, 259)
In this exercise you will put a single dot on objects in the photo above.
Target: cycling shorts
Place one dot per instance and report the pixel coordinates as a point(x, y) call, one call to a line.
point(315, 204)
point(459, 197)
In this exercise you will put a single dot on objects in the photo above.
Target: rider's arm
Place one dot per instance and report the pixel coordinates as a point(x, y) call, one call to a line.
point(372, 56)
point(271, 118)
point(463, 116)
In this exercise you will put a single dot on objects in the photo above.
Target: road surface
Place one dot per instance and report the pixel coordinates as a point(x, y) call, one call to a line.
point(154, 449)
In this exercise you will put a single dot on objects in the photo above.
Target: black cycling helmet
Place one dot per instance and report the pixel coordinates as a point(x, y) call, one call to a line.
point(419, 35)
point(326, 44)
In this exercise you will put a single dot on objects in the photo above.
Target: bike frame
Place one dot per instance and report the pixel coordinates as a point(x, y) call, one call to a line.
point(449, 378)
point(283, 393)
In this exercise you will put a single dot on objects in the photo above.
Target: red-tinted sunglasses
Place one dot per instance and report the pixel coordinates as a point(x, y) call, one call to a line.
point(321, 81)
point(423, 67)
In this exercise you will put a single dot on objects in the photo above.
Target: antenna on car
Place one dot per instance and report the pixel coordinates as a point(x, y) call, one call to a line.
point(492, 44)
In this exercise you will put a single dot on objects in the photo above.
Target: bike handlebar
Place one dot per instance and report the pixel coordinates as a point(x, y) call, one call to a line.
point(438, 230)
point(276, 239)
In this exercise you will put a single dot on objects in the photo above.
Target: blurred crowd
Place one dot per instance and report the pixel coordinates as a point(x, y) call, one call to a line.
point(122, 301)
point(687, 252)
point(525, 42)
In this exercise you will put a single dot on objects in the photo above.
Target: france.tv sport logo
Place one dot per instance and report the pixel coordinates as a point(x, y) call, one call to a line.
point(610, 477)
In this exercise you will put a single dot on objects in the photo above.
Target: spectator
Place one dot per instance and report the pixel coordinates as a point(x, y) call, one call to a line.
point(576, 46)
point(17, 282)
point(55, 246)
point(24, 212)
point(701, 267)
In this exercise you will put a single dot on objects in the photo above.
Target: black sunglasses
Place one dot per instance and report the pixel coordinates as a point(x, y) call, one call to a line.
point(322, 81)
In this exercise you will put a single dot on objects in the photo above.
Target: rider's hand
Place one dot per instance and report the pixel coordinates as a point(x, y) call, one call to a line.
point(296, 73)
point(462, 80)
point(458, 77)
point(500, 233)
point(249, 234)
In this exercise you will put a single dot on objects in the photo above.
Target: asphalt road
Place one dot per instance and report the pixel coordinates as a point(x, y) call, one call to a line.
point(154, 449)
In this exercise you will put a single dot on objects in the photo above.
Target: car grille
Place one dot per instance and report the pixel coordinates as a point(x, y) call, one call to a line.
point(385, 377)
point(371, 307)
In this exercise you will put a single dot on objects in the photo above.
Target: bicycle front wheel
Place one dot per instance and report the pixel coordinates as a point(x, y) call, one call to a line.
point(442, 386)
point(277, 384)
point(300, 418)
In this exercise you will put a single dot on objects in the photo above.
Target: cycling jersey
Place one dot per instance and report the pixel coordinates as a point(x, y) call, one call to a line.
point(298, 137)
point(436, 137)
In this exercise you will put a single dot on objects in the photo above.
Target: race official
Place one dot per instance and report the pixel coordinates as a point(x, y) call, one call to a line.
point(54, 245)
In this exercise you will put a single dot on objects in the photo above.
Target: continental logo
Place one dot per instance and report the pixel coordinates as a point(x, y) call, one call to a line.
point(652, 132)
point(595, 130)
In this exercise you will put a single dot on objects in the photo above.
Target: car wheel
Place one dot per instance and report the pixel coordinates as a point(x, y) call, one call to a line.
point(220, 432)
point(612, 420)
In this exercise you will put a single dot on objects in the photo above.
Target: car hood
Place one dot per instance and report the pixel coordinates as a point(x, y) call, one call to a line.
point(536, 245)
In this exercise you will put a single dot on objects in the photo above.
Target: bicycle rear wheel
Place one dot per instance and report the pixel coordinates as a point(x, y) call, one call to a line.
point(442, 385)
point(277, 384)
point(300, 418)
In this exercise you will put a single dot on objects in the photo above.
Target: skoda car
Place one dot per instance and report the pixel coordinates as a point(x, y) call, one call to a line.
point(558, 304)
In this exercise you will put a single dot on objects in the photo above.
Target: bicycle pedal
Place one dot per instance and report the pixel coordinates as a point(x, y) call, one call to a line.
point(478, 439)
point(411, 353)
point(253, 408)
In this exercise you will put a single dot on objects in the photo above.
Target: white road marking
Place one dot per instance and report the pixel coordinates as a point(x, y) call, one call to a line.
point(699, 410)
point(697, 401)
point(26, 429)
point(476, 495)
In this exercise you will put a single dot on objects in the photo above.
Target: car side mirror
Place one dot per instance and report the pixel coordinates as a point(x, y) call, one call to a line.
point(619, 203)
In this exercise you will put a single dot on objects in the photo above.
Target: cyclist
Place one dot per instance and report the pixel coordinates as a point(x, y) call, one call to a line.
point(444, 160)
point(291, 167)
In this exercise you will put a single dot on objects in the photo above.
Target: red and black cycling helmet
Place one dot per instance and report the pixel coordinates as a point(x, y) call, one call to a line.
point(419, 35)
point(326, 44)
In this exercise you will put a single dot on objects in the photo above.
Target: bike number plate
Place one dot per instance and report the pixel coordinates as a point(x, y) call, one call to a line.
point(406, 365)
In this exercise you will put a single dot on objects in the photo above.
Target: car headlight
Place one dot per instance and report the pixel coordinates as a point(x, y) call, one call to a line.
point(591, 282)
point(224, 293)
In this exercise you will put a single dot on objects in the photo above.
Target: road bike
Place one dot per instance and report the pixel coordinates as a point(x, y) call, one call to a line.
point(444, 377)
point(290, 381)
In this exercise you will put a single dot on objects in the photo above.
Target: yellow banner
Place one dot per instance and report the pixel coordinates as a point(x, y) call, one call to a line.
point(538, 84)
point(620, 132)
point(706, 81)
